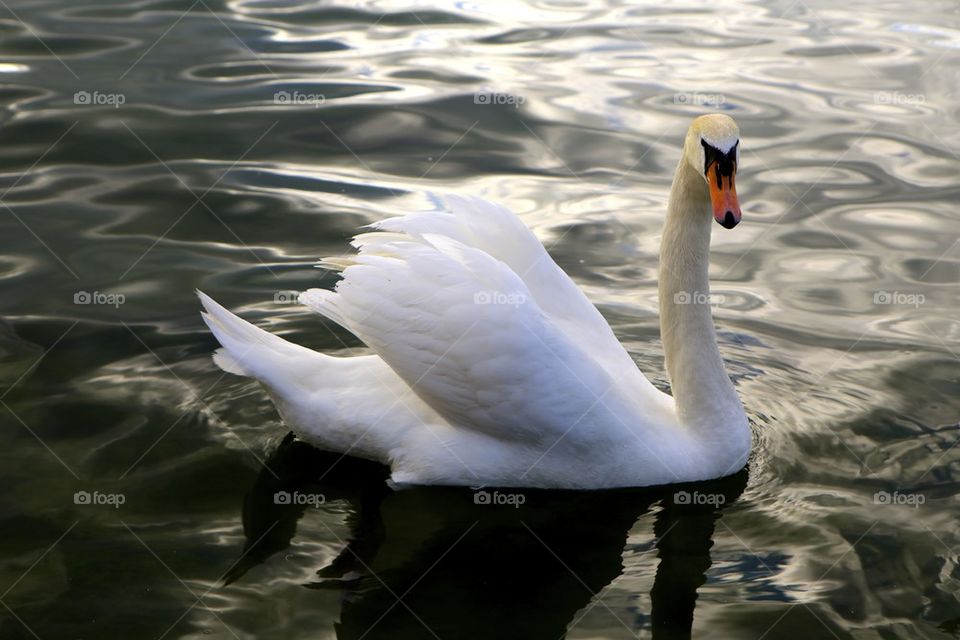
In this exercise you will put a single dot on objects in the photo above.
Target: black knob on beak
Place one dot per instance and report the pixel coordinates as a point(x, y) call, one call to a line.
point(729, 220)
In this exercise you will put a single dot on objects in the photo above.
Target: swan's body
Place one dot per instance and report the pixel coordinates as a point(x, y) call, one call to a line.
point(491, 367)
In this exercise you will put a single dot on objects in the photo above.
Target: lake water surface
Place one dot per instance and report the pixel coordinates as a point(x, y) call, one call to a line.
point(150, 148)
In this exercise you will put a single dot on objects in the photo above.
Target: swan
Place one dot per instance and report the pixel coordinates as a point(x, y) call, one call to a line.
point(491, 367)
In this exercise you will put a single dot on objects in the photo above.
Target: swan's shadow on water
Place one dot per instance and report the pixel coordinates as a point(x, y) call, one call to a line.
point(467, 570)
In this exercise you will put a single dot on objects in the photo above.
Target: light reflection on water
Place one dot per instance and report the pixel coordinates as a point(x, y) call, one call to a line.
point(838, 316)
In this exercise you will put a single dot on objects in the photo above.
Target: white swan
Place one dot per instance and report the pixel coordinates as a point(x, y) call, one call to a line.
point(491, 367)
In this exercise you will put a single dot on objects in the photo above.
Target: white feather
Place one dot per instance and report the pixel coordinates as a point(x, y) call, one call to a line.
point(490, 365)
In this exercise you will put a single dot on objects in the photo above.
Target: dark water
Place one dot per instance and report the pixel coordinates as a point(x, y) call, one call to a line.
point(154, 147)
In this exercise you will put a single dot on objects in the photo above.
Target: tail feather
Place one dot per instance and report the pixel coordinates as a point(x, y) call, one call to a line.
point(324, 302)
point(336, 403)
point(248, 350)
point(223, 359)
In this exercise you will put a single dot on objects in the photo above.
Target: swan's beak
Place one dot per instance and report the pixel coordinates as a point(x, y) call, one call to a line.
point(723, 195)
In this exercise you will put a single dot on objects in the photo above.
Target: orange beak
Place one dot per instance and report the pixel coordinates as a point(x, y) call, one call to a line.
point(723, 193)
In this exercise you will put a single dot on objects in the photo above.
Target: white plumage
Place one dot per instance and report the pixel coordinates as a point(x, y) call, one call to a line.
point(490, 366)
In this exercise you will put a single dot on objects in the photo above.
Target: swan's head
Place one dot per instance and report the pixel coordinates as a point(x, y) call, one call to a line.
point(712, 148)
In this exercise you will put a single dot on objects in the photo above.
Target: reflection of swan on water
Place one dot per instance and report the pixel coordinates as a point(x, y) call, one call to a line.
point(467, 570)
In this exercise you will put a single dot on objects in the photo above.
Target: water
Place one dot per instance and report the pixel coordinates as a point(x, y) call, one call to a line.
point(227, 145)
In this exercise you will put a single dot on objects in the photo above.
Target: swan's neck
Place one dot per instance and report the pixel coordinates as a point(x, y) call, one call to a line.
point(705, 399)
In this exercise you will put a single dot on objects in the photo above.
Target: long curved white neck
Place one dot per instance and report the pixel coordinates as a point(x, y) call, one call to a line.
point(705, 398)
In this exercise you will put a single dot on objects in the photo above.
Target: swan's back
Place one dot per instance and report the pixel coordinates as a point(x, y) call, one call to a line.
point(469, 300)
point(498, 232)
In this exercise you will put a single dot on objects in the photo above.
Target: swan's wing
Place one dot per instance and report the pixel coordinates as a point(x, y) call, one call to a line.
point(498, 232)
point(470, 338)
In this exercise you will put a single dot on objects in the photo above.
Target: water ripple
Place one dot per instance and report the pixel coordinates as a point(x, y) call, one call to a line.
point(228, 145)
